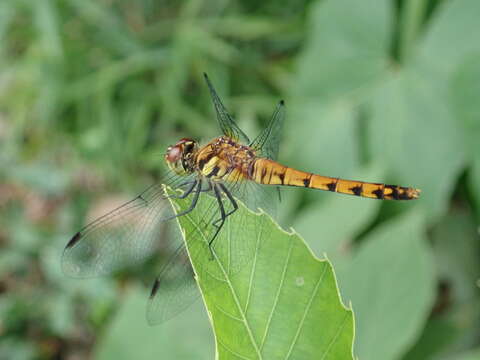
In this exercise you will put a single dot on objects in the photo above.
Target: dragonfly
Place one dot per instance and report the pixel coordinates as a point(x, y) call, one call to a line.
point(226, 170)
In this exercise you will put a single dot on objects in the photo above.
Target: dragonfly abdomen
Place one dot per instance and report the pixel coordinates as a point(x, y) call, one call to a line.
point(269, 172)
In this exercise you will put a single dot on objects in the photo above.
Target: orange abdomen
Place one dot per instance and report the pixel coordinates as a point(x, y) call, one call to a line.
point(269, 172)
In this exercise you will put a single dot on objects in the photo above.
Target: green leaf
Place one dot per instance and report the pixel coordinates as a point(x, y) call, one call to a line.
point(129, 336)
point(409, 115)
point(456, 246)
point(470, 355)
point(449, 38)
point(313, 145)
point(390, 283)
point(347, 49)
point(437, 335)
point(464, 90)
point(282, 303)
point(475, 183)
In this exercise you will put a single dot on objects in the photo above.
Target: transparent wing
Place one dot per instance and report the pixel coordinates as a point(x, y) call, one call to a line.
point(125, 236)
point(226, 122)
point(174, 290)
point(267, 142)
point(175, 287)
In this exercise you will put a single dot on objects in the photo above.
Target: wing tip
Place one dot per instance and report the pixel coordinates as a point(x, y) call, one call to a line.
point(73, 240)
point(155, 287)
point(207, 79)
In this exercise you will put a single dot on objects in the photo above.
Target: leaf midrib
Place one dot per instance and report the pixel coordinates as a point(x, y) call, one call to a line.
point(234, 294)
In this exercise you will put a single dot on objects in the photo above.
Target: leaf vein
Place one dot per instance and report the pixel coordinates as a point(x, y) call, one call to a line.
point(307, 309)
point(234, 294)
point(226, 313)
point(278, 294)
point(233, 352)
point(334, 339)
point(252, 273)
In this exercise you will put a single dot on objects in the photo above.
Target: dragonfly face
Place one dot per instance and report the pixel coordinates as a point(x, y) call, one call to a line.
point(180, 157)
point(228, 168)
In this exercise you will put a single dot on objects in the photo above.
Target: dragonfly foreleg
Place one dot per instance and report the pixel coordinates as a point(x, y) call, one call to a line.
point(187, 192)
point(194, 201)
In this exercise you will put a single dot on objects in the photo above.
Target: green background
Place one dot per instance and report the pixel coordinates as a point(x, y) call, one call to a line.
point(92, 92)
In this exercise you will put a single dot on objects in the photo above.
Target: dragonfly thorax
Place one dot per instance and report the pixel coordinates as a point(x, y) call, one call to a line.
point(180, 157)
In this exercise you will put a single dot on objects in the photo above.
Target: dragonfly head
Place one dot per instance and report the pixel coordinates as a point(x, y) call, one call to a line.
point(180, 157)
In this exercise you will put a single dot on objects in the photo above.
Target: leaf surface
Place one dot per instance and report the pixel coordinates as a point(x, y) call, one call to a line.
point(390, 280)
point(283, 303)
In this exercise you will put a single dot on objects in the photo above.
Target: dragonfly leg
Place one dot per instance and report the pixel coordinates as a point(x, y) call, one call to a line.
point(219, 222)
point(194, 201)
point(231, 198)
point(209, 187)
point(223, 215)
point(187, 192)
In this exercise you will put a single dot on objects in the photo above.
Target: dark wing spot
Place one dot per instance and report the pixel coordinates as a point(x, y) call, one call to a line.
point(155, 286)
point(357, 190)
point(74, 240)
point(394, 189)
point(378, 193)
point(332, 186)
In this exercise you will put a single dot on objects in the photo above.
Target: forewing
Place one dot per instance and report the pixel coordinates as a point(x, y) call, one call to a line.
point(268, 141)
point(225, 121)
point(125, 236)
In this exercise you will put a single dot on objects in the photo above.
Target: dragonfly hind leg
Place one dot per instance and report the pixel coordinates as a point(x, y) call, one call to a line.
point(223, 215)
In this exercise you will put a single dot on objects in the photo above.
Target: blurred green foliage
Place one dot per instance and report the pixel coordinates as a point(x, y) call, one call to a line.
point(92, 91)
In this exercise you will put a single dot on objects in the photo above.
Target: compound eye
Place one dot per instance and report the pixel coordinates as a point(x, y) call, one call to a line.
point(174, 154)
point(189, 146)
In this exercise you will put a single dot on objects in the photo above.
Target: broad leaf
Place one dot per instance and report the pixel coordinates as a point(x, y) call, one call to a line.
point(390, 283)
point(451, 35)
point(464, 91)
point(409, 116)
point(347, 49)
point(130, 337)
point(283, 303)
point(470, 355)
